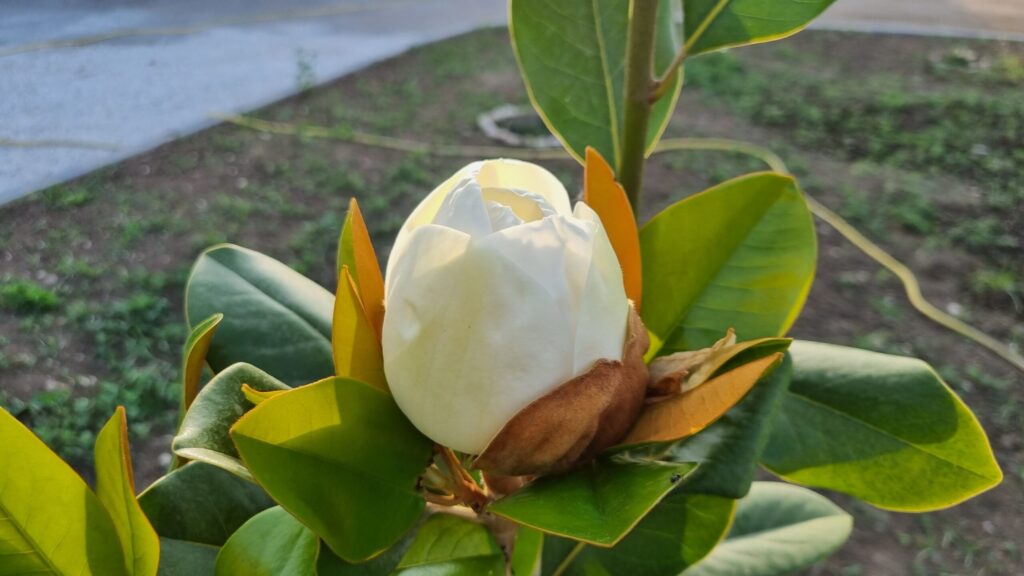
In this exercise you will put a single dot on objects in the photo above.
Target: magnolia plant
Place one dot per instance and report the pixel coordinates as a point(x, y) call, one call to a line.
point(532, 387)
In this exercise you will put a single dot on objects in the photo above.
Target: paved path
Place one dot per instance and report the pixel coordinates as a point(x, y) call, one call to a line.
point(93, 105)
point(89, 105)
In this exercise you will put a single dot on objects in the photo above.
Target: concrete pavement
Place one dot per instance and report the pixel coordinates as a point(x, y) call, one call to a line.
point(85, 83)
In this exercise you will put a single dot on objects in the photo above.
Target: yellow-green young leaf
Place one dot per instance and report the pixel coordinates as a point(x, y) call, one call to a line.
point(680, 531)
point(885, 429)
point(605, 195)
point(342, 458)
point(196, 347)
point(355, 250)
point(572, 56)
point(598, 503)
point(779, 529)
point(688, 413)
point(115, 487)
point(274, 317)
point(271, 543)
point(50, 522)
point(715, 24)
point(255, 396)
point(357, 351)
point(739, 255)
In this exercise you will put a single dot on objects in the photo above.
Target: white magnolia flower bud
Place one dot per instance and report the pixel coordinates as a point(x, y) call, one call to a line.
point(496, 294)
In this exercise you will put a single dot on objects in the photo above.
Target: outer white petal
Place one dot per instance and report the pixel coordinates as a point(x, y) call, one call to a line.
point(604, 311)
point(469, 343)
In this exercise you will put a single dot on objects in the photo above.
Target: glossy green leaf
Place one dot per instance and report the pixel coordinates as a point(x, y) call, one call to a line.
point(383, 564)
point(274, 317)
point(528, 552)
point(715, 24)
point(598, 503)
point(572, 56)
point(50, 522)
point(181, 558)
point(204, 433)
point(201, 503)
point(115, 487)
point(196, 347)
point(779, 529)
point(739, 255)
point(342, 458)
point(271, 543)
point(680, 531)
point(728, 450)
point(883, 428)
point(451, 546)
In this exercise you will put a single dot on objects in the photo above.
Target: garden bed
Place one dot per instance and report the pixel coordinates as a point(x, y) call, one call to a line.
point(918, 142)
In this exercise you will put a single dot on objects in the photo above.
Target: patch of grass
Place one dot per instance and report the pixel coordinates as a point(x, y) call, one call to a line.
point(27, 297)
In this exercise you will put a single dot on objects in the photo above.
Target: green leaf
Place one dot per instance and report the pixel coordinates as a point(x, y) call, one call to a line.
point(194, 358)
point(383, 564)
point(572, 55)
point(271, 543)
point(274, 317)
point(452, 546)
point(729, 449)
point(528, 551)
point(204, 433)
point(181, 558)
point(342, 458)
point(50, 522)
point(598, 503)
point(883, 428)
point(715, 24)
point(115, 487)
point(201, 503)
point(680, 531)
point(779, 529)
point(739, 255)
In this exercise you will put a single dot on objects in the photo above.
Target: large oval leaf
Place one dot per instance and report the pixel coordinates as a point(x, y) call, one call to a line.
point(778, 530)
point(271, 543)
point(50, 522)
point(740, 255)
point(181, 558)
point(680, 531)
point(204, 433)
point(598, 503)
point(274, 317)
point(202, 504)
point(115, 487)
point(451, 546)
point(883, 428)
point(715, 24)
point(342, 458)
point(572, 55)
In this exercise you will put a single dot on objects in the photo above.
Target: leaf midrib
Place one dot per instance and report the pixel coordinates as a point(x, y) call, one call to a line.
point(886, 434)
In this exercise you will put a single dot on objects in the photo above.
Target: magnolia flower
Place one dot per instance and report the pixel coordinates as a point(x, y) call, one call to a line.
point(497, 293)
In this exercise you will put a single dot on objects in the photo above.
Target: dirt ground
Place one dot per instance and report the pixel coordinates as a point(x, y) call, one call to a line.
point(114, 247)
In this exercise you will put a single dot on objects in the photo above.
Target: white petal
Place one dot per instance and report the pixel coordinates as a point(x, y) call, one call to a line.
point(465, 210)
point(504, 173)
point(601, 331)
point(470, 343)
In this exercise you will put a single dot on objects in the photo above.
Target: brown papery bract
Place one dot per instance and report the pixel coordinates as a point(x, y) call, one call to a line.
point(577, 420)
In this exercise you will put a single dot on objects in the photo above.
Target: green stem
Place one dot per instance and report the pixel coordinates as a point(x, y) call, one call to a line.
point(643, 18)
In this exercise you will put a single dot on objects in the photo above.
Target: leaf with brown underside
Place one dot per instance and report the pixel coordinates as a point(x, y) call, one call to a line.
point(606, 196)
point(355, 250)
point(577, 420)
point(356, 348)
point(689, 413)
point(683, 371)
